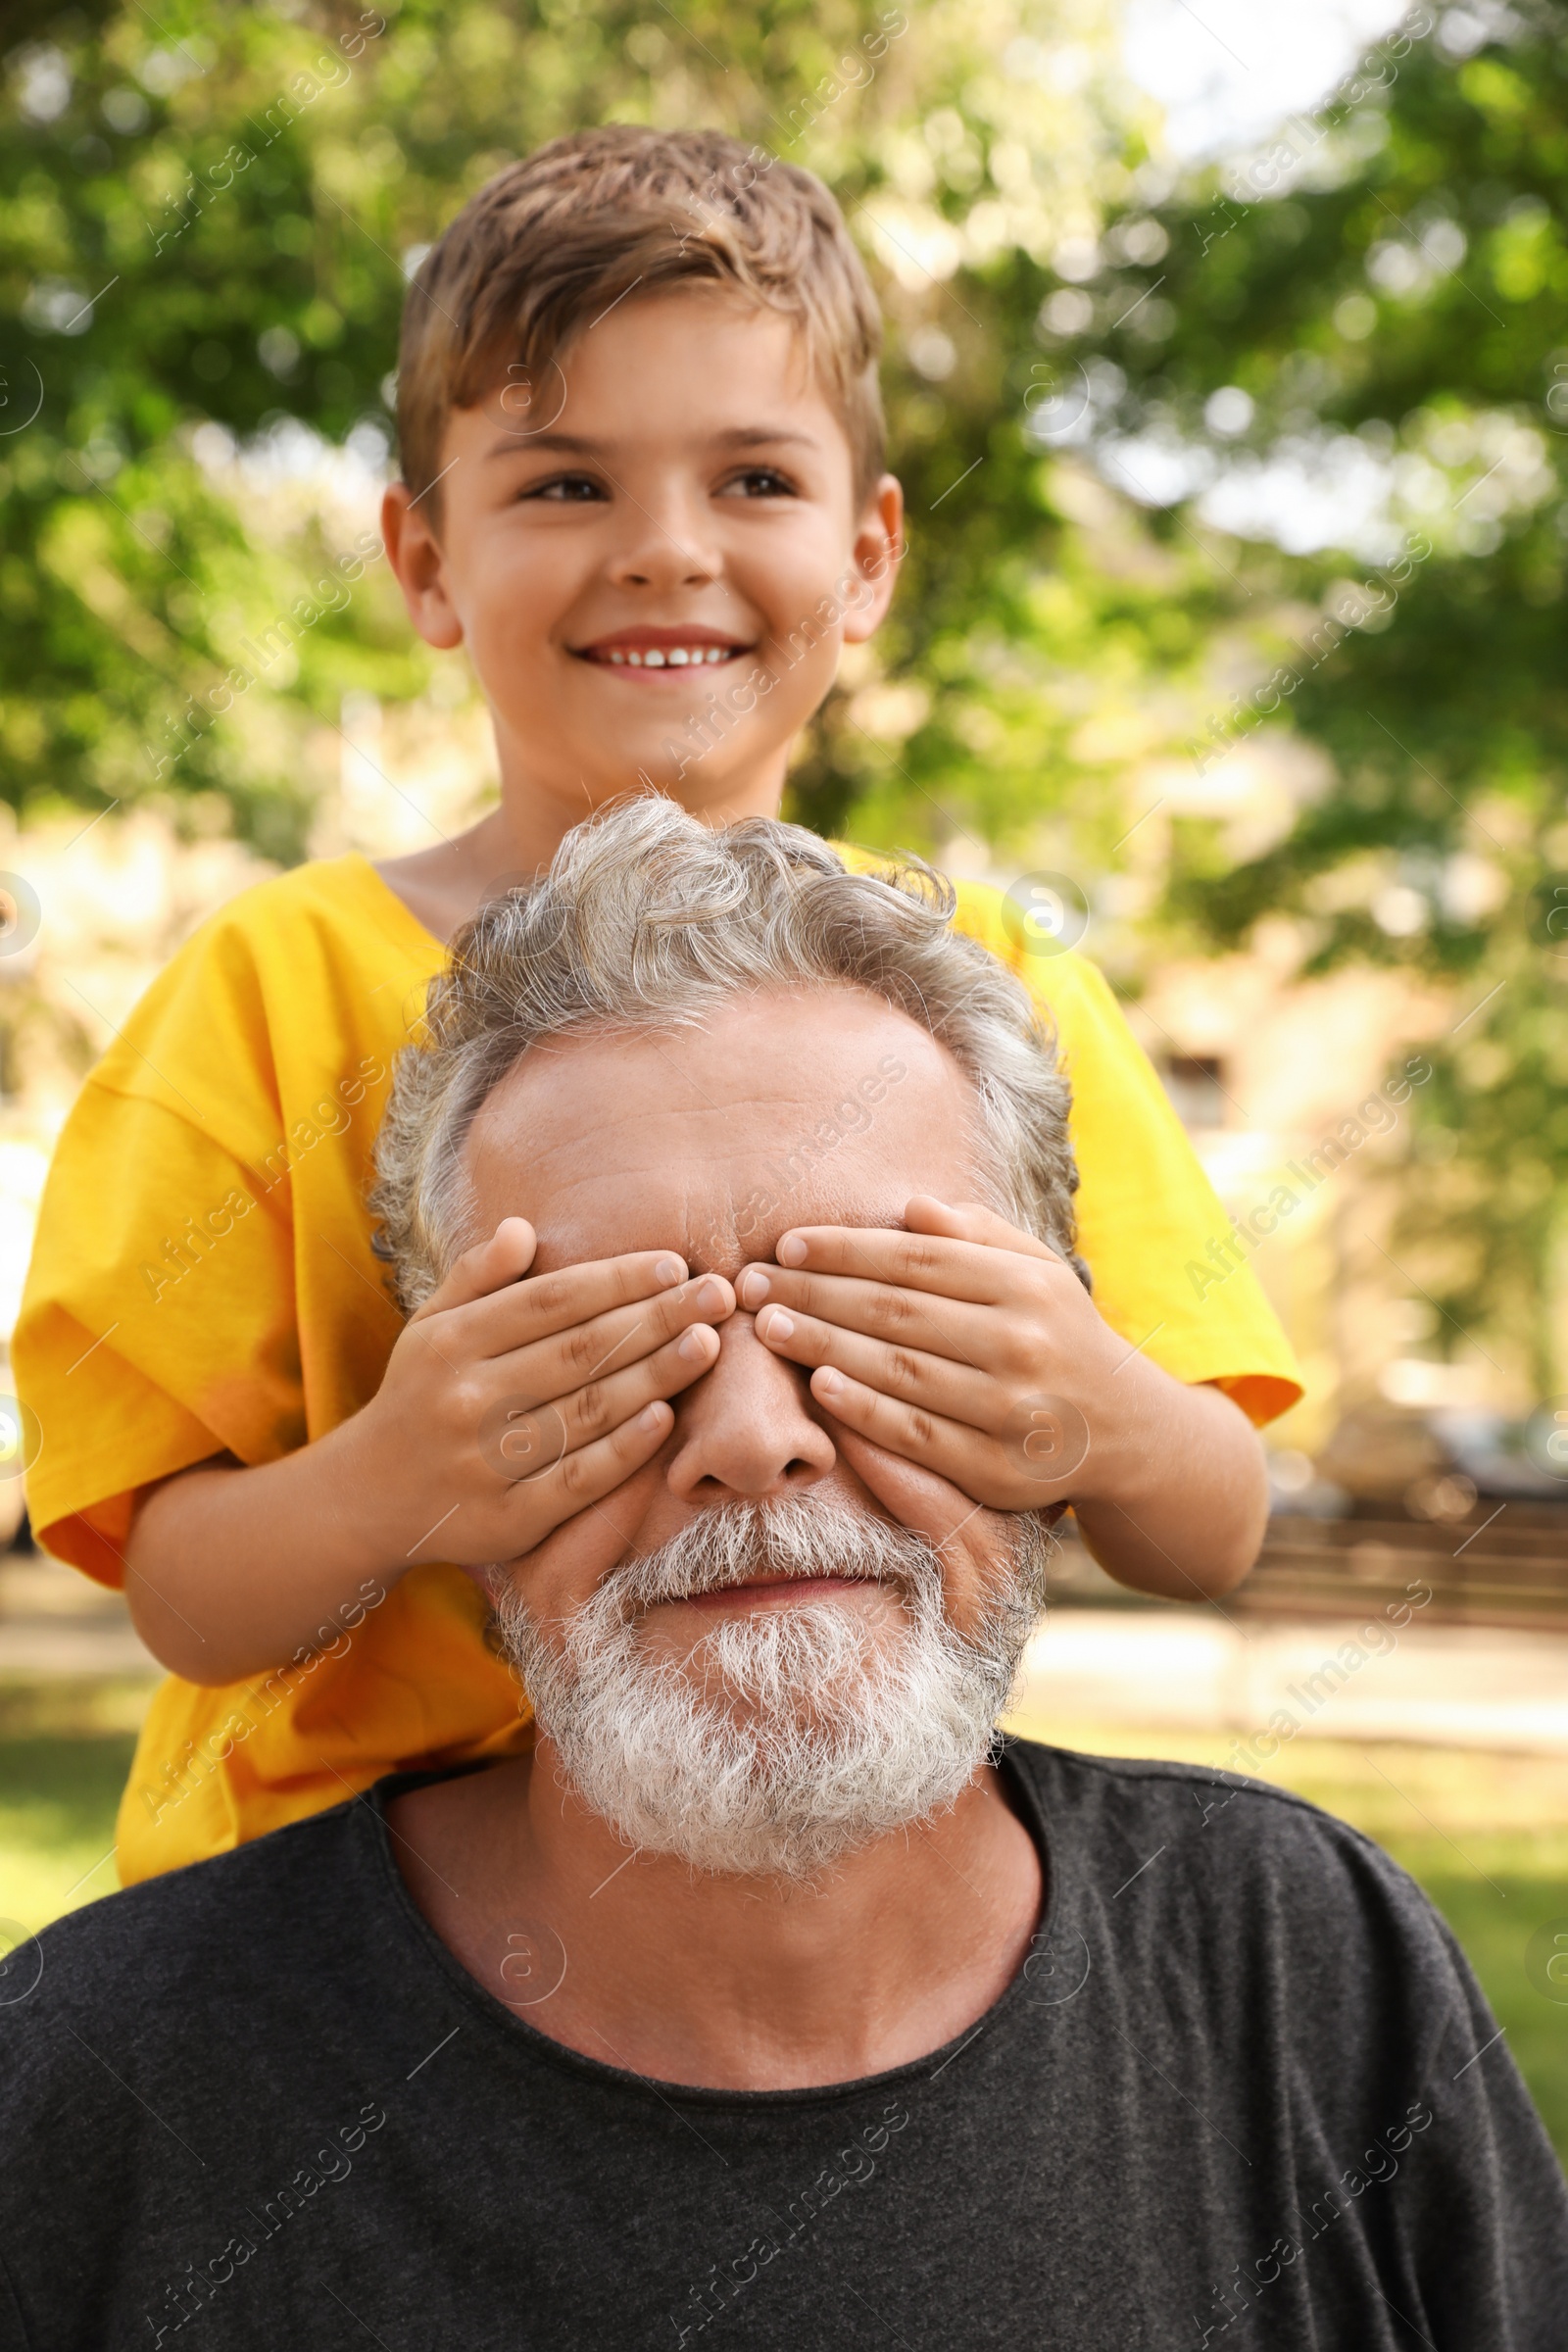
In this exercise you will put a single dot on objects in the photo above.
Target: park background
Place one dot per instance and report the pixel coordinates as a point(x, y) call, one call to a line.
point(1227, 374)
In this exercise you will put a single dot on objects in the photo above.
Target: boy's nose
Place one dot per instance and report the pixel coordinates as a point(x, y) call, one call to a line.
point(743, 1432)
point(665, 546)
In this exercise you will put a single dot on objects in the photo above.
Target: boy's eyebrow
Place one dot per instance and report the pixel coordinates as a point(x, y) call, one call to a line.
point(739, 437)
point(518, 445)
point(752, 436)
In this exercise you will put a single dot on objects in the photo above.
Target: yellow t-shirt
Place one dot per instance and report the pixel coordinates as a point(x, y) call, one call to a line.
point(203, 1281)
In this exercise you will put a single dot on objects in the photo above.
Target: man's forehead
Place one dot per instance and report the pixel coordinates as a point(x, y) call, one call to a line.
point(718, 1140)
point(715, 1235)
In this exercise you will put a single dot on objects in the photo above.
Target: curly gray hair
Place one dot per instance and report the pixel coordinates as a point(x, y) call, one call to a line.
point(648, 919)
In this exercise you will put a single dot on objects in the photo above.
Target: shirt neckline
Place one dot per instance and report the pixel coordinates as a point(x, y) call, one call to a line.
point(382, 888)
point(521, 2039)
point(379, 883)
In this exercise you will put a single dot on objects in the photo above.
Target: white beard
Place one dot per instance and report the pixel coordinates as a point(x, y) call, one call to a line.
point(788, 1737)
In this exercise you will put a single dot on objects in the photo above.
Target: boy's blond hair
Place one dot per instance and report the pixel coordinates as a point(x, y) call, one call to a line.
point(551, 243)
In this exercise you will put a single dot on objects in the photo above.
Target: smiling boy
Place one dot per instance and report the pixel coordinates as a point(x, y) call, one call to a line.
point(593, 545)
point(642, 485)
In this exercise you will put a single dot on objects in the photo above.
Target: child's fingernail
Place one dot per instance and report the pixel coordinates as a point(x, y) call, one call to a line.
point(649, 1418)
point(791, 1251)
point(828, 1383)
point(780, 1326)
point(693, 1345)
point(709, 1297)
point(753, 1287)
point(669, 1270)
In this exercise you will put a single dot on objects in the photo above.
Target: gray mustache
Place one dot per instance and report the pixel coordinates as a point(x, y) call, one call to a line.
point(797, 1536)
point(788, 1737)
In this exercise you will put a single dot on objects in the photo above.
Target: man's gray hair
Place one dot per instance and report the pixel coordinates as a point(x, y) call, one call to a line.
point(648, 919)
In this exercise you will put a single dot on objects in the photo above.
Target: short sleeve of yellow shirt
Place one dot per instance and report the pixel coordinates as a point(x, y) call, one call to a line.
point(203, 1281)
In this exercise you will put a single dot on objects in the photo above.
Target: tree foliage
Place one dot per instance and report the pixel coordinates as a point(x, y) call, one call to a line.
point(1419, 303)
point(1099, 371)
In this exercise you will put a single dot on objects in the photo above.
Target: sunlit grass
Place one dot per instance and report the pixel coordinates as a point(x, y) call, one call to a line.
point(65, 1751)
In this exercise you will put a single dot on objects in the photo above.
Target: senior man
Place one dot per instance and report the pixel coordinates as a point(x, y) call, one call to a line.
point(771, 1995)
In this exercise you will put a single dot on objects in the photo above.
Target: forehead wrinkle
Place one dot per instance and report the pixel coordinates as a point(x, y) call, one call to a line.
point(708, 1237)
point(830, 1208)
point(643, 1156)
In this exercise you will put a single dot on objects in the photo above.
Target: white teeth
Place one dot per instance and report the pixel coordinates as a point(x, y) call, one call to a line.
point(675, 656)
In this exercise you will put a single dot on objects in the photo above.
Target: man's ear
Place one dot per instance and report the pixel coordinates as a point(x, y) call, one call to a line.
point(415, 555)
point(875, 561)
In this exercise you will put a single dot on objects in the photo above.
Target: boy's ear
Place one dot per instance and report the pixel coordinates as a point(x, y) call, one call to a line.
point(874, 559)
point(415, 554)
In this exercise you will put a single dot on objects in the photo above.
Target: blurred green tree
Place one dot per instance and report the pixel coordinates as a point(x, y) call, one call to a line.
point(1382, 296)
point(206, 222)
point(1100, 372)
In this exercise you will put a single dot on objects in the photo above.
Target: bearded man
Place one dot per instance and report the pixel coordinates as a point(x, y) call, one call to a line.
point(774, 1993)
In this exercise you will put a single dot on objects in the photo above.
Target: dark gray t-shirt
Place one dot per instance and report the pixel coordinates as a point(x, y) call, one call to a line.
point(1244, 2091)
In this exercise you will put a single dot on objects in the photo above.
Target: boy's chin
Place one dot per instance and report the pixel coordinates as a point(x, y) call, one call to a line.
point(697, 784)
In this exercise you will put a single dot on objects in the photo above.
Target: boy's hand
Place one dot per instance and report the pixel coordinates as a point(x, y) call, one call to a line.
point(961, 1344)
point(509, 1406)
point(971, 1350)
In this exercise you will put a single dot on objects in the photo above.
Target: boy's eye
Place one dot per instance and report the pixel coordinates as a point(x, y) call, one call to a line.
point(759, 482)
point(565, 486)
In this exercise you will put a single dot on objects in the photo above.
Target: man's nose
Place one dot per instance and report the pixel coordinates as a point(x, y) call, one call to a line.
point(743, 1432)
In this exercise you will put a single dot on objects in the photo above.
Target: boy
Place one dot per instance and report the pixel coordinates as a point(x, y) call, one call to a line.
point(643, 484)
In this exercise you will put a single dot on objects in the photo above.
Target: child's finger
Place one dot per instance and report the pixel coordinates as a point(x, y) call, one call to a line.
point(567, 1360)
point(523, 1441)
point(968, 1335)
point(488, 1266)
point(519, 1313)
point(949, 1448)
point(541, 1505)
point(1027, 1466)
point(967, 1221)
point(915, 1261)
point(942, 1380)
point(916, 1497)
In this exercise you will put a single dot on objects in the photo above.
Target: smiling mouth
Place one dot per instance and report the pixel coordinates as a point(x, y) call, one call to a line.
point(657, 649)
point(656, 657)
